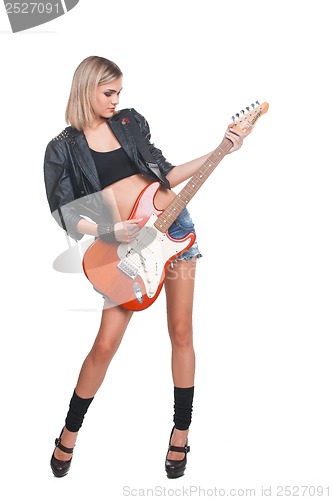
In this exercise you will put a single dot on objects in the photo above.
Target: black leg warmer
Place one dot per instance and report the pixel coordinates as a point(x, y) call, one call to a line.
point(77, 409)
point(183, 407)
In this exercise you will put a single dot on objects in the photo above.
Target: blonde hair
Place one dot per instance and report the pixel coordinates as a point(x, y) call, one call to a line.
point(90, 73)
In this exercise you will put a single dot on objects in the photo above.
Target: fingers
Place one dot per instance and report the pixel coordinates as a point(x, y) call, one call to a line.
point(235, 136)
point(231, 127)
point(233, 130)
point(127, 230)
point(236, 139)
point(132, 228)
point(131, 231)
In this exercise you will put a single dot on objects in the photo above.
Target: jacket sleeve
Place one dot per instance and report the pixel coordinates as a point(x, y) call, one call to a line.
point(157, 154)
point(59, 190)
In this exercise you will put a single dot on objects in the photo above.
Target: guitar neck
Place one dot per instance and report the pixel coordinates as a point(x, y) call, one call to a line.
point(172, 211)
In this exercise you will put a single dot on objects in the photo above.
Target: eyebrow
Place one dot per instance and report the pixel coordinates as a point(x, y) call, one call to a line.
point(113, 90)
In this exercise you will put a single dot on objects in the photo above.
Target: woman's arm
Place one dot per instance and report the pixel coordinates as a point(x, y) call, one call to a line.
point(124, 231)
point(85, 226)
point(183, 172)
point(59, 190)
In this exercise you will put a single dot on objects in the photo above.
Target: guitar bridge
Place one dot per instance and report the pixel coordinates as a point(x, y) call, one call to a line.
point(128, 268)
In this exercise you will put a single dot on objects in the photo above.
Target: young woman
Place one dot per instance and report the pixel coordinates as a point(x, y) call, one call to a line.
point(94, 173)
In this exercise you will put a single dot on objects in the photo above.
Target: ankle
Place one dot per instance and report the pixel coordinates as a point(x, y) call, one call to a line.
point(179, 436)
point(68, 438)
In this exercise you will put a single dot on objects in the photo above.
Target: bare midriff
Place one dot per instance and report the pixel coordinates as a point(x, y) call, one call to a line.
point(121, 196)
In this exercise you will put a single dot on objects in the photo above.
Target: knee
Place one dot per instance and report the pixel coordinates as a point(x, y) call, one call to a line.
point(181, 335)
point(101, 353)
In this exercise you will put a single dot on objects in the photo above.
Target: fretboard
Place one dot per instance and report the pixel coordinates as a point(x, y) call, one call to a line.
point(172, 211)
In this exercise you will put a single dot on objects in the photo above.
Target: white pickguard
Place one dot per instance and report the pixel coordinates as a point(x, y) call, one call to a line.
point(146, 256)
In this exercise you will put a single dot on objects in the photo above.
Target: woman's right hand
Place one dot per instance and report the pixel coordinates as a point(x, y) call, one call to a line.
point(127, 230)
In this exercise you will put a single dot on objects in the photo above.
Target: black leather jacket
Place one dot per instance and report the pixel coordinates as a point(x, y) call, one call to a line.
point(71, 179)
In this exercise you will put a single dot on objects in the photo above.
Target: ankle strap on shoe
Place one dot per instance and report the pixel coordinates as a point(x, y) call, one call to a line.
point(62, 447)
point(180, 449)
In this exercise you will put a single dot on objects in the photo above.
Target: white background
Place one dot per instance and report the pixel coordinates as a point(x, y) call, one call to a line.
point(263, 304)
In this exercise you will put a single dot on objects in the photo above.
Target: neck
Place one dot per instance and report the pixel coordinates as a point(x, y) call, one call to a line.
point(95, 124)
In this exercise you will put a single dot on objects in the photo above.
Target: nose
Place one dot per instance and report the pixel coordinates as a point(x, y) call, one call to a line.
point(115, 99)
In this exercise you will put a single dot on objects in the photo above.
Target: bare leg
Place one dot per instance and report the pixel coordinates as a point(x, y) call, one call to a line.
point(179, 287)
point(114, 322)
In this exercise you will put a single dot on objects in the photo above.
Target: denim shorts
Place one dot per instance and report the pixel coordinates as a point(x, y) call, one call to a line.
point(183, 225)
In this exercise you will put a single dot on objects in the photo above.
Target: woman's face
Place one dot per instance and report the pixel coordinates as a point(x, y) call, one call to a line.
point(106, 98)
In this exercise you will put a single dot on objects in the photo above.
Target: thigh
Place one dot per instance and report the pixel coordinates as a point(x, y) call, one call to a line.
point(179, 290)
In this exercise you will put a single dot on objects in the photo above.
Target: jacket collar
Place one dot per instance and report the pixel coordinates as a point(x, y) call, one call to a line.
point(122, 135)
point(84, 157)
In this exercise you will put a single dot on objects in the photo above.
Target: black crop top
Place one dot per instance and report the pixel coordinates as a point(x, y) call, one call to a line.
point(113, 166)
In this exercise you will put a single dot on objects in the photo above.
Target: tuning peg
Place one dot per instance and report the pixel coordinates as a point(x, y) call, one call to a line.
point(253, 106)
point(237, 114)
point(242, 111)
point(247, 107)
point(257, 102)
point(233, 118)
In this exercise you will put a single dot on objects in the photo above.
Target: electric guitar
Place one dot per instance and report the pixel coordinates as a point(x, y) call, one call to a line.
point(131, 275)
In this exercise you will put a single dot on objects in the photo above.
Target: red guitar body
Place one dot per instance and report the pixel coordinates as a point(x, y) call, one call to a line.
point(131, 275)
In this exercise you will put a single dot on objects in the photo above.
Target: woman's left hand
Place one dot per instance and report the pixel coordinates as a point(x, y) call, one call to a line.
point(236, 137)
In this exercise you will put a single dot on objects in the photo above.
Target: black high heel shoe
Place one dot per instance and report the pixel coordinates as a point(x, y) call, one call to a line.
point(176, 468)
point(61, 467)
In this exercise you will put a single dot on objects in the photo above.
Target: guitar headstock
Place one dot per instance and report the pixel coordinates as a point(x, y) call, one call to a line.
point(245, 120)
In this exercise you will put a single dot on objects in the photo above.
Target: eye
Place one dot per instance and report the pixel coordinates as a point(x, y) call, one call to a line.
point(111, 92)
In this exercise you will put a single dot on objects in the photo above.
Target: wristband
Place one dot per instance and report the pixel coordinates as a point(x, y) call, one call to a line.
point(106, 233)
